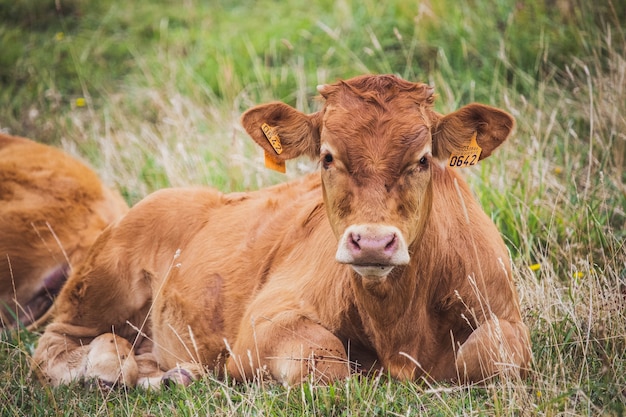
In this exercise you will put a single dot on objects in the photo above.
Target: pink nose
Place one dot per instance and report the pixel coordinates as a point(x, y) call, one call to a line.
point(372, 249)
point(372, 244)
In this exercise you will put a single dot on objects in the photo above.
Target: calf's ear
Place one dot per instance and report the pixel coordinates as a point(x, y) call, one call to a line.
point(297, 133)
point(454, 131)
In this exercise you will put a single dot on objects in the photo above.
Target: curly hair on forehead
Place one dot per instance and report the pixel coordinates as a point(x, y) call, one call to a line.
point(380, 89)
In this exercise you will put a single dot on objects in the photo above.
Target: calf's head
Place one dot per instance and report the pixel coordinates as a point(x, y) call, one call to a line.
point(378, 141)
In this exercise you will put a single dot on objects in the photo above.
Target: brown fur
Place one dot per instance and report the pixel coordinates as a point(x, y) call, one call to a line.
point(52, 208)
point(191, 276)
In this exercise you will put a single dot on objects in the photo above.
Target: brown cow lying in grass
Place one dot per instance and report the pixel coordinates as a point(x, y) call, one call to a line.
point(52, 208)
point(382, 261)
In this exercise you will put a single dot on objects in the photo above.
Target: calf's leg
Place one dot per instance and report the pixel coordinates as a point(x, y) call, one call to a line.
point(98, 299)
point(111, 361)
point(497, 347)
point(289, 348)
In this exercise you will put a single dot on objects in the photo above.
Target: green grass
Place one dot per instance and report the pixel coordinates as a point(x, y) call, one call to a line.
point(150, 94)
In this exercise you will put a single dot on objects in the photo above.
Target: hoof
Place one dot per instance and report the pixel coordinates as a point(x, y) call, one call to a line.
point(175, 377)
point(99, 384)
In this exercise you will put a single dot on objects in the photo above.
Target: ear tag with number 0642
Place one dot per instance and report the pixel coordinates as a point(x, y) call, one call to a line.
point(271, 161)
point(467, 155)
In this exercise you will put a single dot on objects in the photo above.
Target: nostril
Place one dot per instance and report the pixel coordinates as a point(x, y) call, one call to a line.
point(392, 243)
point(354, 241)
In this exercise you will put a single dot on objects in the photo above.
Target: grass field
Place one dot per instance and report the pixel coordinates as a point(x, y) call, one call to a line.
point(150, 93)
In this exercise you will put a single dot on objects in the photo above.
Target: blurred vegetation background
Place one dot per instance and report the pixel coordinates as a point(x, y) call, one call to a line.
point(54, 52)
point(150, 93)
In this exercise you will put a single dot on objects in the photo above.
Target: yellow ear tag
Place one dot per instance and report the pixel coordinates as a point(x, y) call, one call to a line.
point(467, 155)
point(272, 137)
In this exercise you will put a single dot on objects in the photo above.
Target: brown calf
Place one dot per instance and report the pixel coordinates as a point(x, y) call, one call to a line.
point(52, 208)
point(382, 261)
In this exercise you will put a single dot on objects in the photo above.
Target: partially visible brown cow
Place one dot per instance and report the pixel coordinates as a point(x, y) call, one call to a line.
point(382, 261)
point(52, 208)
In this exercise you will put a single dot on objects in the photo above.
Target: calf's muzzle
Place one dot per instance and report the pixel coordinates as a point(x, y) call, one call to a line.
point(372, 249)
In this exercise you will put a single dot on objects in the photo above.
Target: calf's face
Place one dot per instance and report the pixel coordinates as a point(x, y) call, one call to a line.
point(378, 141)
point(376, 157)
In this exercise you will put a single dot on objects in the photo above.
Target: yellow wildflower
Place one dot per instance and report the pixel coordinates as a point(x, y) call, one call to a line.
point(535, 267)
point(80, 102)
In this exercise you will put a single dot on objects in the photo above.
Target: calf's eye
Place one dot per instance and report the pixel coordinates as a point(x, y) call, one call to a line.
point(327, 160)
